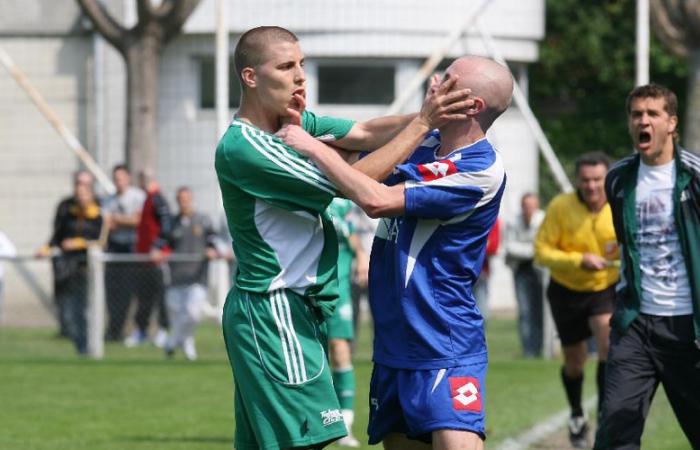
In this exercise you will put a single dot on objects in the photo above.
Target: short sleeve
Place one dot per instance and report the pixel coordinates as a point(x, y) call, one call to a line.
point(447, 189)
point(324, 128)
point(264, 167)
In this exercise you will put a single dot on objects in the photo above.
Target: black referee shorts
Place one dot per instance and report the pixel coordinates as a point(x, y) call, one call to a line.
point(571, 310)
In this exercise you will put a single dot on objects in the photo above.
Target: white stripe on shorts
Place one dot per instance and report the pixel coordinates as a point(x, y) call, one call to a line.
point(302, 367)
point(283, 339)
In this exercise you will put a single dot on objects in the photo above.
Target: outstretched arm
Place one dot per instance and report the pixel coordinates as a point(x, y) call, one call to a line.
point(376, 199)
point(374, 133)
point(441, 105)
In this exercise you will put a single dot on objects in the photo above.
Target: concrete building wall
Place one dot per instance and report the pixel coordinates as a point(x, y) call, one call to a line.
point(35, 164)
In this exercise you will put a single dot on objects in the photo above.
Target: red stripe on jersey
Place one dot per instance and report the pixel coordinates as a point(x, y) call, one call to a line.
point(437, 169)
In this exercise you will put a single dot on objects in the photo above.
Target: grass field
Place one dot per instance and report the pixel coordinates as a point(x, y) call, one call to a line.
point(135, 399)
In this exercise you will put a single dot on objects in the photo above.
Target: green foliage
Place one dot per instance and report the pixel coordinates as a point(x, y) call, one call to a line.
point(586, 68)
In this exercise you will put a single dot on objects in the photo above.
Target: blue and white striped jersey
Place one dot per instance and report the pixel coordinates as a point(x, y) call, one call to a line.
point(424, 264)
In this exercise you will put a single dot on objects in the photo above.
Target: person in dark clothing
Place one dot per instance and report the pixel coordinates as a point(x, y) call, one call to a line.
point(655, 199)
point(58, 263)
point(79, 223)
point(151, 239)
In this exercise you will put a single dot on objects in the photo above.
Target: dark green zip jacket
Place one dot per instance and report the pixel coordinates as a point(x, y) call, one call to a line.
point(620, 187)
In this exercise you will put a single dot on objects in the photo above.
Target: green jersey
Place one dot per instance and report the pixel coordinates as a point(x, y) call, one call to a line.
point(275, 201)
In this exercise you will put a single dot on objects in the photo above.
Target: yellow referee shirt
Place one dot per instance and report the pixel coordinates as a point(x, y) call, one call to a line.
point(568, 231)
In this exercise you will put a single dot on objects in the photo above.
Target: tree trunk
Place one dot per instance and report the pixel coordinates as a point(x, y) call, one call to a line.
point(143, 63)
point(691, 134)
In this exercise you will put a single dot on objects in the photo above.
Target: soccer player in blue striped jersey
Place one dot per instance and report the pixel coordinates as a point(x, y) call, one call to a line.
point(437, 208)
point(285, 244)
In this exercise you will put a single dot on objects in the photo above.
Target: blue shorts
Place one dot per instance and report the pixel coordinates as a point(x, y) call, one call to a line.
point(418, 402)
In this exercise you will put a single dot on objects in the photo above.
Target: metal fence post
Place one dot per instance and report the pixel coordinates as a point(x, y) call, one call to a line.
point(548, 331)
point(96, 302)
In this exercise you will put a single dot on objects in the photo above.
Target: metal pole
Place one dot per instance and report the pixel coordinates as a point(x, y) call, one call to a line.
point(642, 42)
point(96, 302)
point(548, 331)
point(222, 62)
point(67, 136)
point(532, 122)
point(432, 62)
point(98, 46)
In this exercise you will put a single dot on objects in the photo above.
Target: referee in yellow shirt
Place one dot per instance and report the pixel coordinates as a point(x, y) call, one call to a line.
point(577, 242)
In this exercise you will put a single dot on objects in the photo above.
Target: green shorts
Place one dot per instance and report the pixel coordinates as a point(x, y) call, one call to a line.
point(284, 394)
point(340, 323)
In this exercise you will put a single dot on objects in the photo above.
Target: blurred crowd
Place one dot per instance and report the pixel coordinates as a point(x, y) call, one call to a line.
point(159, 261)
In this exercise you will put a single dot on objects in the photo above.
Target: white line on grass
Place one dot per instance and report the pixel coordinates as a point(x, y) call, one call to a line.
point(541, 430)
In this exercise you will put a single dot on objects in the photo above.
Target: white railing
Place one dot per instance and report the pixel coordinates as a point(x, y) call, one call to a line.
point(96, 311)
point(219, 283)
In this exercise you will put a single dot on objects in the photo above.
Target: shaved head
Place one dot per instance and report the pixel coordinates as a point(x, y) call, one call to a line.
point(250, 50)
point(487, 79)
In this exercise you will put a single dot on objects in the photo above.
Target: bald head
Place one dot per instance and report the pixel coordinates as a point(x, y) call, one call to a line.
point(488, 80)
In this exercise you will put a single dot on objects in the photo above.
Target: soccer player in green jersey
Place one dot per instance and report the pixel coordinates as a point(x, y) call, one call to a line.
point(286, 247)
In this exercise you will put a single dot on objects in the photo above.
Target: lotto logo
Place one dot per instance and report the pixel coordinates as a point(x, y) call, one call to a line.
point(465, 394)
point(437, 169)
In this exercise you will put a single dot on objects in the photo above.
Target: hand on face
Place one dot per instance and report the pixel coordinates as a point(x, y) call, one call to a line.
point(442, 104)
point(301, 141)
point(295, 108)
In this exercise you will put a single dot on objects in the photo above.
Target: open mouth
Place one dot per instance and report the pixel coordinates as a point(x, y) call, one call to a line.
point(300, 91)
point(644, 137)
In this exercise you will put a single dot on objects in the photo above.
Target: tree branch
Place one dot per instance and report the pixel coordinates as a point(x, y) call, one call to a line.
point(175, 13)
point(691, 12)
point(105, 24)
point(166, 6)
point(671, 34)
point(145, 11)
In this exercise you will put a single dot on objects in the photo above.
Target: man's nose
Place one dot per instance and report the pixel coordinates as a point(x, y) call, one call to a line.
point(300, 76)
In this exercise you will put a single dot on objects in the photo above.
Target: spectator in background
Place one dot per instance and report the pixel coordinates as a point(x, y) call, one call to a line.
point(577, 242)
point(520, 253)
point(122, 213)
point(58, 262)
point(364, 228)
point(192, 234)
point(655, 200)
point(151, 239)
point(481, 287)
point(80, 223)
point(7, 250)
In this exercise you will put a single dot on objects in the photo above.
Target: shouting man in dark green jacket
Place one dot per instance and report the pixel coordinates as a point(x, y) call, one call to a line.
point(655, 200)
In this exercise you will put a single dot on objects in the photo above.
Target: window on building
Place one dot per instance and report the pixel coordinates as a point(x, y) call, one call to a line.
point(207, 84)
point(355, 85)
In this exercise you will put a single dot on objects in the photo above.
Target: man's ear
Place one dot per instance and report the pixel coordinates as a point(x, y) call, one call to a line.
point(673, 124)
point(478, 106)
point(248, 77)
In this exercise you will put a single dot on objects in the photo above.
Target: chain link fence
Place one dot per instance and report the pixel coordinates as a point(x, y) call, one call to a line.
point(97, 297)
